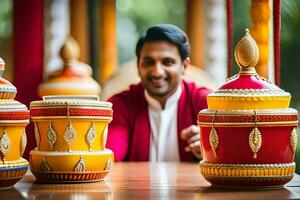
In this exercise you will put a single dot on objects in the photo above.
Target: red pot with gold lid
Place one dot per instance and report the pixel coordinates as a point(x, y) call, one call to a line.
point(248, 133)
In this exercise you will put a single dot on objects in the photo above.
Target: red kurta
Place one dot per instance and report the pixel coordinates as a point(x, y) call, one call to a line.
point(129, 132)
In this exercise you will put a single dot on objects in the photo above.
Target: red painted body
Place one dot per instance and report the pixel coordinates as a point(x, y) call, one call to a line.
point(234, 146)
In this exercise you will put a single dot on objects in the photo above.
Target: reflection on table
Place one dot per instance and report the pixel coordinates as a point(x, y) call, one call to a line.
point(144, 181)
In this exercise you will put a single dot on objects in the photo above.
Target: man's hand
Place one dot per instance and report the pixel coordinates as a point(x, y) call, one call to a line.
point(191, 134)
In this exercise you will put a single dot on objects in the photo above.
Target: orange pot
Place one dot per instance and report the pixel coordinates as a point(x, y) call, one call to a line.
point(71, 135)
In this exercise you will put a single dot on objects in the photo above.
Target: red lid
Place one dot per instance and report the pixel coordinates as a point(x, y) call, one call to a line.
point(246, 56)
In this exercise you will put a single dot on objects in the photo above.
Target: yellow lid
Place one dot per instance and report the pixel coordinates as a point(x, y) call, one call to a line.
point(75, 77)
point(247, 90)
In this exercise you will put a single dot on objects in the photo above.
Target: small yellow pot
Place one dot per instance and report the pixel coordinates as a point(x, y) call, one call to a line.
point(71, 134)
point(14, 117)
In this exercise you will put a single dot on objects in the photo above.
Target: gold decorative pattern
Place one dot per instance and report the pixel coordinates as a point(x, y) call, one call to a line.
point(108, 165)
point(45, 167)
point(294, 139)
point(247, 170)
point(51, 135)
point(255, 141)
point(11, 176)
point(70, 177)
point(80, 166)
point(104, 136)
point(249, 118)
point(37, 135)
point(263, 79)
point(14, 163)
point(231, 78)
point(285, 111)
point(260, 124)
point(214, 140)
point(247, 102)
point(70, 135)
point(23, 143)
point(89, 165)
point(250, 92)
point(4, 145)
point(91, 136)
point(90, 100)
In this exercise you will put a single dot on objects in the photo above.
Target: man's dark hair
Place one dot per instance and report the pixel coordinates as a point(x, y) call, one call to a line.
point(165, 32)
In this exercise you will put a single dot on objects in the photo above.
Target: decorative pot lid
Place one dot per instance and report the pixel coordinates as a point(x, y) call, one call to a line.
point(247, 90)
point(75, 77)
point(71, 106)
point(245, 118)
point(11, 111)
point(7, 90)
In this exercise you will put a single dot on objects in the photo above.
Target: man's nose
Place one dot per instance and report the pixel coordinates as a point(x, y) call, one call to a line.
point(157, 70)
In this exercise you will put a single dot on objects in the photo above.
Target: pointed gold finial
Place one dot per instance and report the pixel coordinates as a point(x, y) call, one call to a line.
point(246, 54)
point(70, 50)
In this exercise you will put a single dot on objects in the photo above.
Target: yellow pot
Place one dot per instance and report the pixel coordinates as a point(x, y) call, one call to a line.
point(71, 134)
point(14, 117)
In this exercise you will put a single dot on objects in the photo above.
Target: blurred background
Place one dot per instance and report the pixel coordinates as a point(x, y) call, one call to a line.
point(130, 18)
point(33, 31)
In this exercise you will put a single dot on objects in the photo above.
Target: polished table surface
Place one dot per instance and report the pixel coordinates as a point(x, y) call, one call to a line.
point(144, 181)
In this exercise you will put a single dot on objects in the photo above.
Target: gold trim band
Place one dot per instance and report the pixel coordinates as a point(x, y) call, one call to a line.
point(13, 122)
point(248, 124)
point(271, 112)
point(67, 153)
point(14, 163)
point(72, 103)
point(250, 93)
point(247, 170)
point(70, 177)
point(47, 118)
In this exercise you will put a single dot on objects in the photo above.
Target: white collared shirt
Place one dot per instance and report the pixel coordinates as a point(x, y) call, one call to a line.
point(163, 125)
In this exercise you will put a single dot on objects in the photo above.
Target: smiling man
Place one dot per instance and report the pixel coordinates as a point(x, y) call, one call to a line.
point(155, 120)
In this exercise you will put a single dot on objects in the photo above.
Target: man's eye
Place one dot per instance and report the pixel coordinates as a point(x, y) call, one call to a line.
point(169, 62)
point(147, 63)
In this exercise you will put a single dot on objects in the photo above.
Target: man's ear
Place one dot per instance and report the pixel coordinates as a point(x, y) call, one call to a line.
point(186, 64)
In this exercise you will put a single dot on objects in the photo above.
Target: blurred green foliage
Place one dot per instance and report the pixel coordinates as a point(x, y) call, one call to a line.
point(5, 18)
point(135, 16)
point(6, 35)
point(241, 21)
point(290, 50)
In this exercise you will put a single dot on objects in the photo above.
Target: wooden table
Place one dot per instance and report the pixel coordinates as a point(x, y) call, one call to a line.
point(144, 181)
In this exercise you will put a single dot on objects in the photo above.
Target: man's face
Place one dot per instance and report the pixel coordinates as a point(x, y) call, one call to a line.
point(160, 68)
